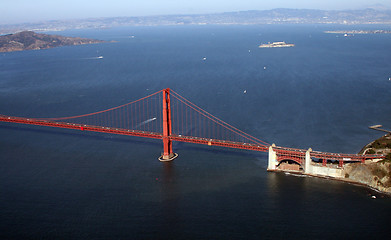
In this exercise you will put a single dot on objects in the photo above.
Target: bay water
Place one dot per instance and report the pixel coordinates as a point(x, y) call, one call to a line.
point(323, 93)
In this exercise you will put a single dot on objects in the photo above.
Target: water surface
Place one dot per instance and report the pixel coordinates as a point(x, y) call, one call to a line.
point(323, 93)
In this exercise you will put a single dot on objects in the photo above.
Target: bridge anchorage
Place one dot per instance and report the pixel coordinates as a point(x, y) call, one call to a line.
point(168, 116)
point(311, 162)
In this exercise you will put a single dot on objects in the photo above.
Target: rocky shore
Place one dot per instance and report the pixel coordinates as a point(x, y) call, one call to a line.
point(29, 40)
point(376, 175)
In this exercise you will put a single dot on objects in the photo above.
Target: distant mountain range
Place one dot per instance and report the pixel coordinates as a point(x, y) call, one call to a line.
point(274, 16)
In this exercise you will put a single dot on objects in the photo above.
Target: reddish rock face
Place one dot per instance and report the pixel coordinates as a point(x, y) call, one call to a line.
point(289, 167)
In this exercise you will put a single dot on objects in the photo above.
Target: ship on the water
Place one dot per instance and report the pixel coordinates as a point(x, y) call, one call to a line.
point(276, 44)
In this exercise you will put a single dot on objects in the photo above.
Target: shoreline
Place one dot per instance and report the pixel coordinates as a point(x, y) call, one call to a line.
point(29, 40)
point(374, 174)
point(349, 181)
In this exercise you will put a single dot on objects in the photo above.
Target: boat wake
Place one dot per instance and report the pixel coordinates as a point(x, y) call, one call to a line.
point(296, 175)
point(92, 58)
point(145, 122)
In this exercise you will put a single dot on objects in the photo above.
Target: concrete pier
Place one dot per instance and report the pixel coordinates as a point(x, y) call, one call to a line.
point(272, 163)
point(167, 158)
point(307, 162)
point(325, 171)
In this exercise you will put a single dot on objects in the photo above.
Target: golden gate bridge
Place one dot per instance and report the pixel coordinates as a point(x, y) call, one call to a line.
point(168, 116)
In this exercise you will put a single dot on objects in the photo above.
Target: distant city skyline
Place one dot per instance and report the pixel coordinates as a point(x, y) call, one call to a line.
point(21, 11)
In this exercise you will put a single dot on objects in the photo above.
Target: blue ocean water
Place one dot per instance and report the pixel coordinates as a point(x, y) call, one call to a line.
point(323, 93)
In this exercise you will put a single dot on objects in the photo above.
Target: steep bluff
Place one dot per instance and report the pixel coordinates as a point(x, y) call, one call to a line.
point(374, 174)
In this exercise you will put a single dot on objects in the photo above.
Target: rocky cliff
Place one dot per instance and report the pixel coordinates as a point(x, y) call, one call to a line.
point(374, 174)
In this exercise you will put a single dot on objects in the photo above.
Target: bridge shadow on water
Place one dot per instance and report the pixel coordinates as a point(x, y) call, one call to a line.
point(86, 135)
point(133, 140)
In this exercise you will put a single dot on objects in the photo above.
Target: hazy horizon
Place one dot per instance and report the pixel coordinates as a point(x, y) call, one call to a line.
point(22, 11)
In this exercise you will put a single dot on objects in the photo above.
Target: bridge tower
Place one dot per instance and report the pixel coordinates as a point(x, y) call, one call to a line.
point(168, 154)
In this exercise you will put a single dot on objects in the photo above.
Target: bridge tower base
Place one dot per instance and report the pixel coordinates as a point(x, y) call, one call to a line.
point(168, 154)
point(272, 162)
point(168, 158)
point(307, 162)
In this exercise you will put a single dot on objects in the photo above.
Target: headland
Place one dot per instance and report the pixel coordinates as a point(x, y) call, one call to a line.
point(29, 40)
point(374, 173)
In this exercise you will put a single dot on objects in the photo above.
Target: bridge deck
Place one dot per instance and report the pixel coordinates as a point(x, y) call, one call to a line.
point(282, 152)
point(178, 138)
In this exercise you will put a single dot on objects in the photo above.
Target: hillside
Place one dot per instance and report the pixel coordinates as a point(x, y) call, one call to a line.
point(374, 174)
point(28, 40)
point(379, 146)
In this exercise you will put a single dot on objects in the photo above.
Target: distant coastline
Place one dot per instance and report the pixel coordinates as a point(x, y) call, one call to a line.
point(360, 32)
point(251, 17)
point(29, 40)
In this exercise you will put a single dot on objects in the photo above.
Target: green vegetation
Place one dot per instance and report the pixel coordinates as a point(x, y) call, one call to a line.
point(381, 143)
point(387, 158)
point(371, 151)
point(379, 146)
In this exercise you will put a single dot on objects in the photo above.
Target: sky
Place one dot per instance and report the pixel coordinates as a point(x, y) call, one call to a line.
point(20, 11)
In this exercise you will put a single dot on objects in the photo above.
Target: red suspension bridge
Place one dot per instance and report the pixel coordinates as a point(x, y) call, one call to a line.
point(168, 116)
